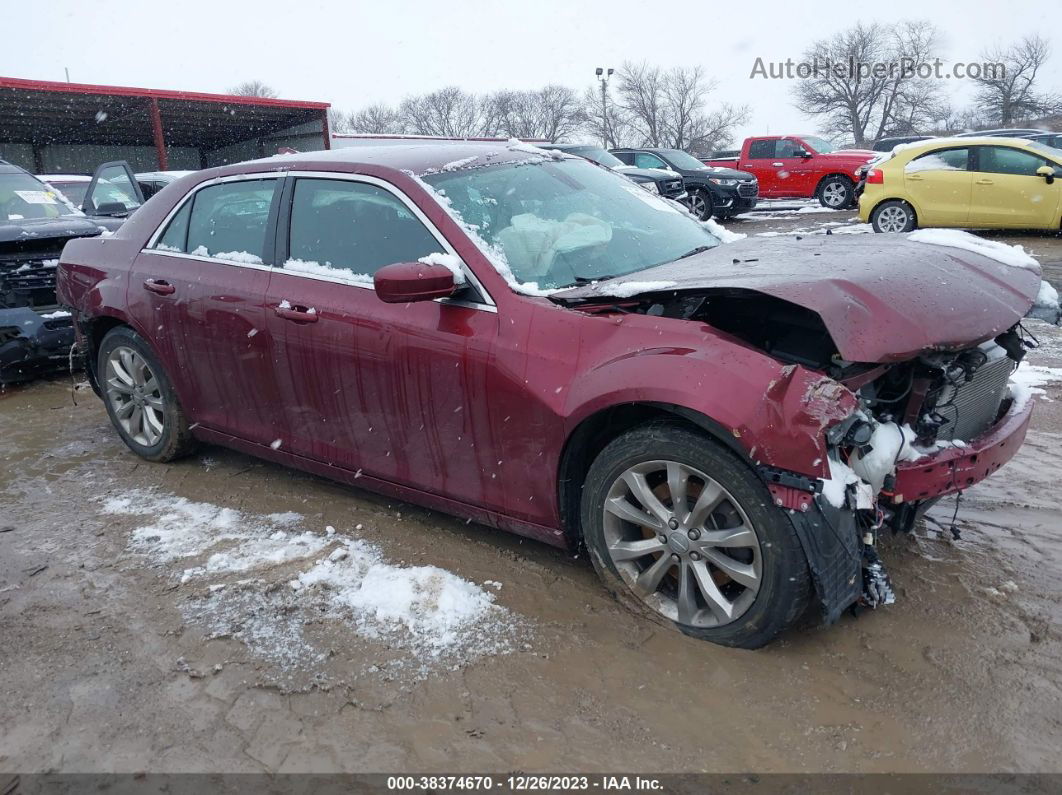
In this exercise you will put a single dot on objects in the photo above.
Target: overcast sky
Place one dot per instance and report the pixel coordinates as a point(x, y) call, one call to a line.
point(354, 53)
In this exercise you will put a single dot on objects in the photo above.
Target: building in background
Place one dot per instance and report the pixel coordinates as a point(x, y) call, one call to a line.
point(50, 128)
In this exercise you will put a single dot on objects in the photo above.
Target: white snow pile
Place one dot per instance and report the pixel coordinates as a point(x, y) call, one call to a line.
point(516, 145)
point(317, 269)
point(628, 289)
point(425, 609)
point(1029, 380)
point(721, 232)
point(448, 261)
point(454, 165)
point(1014, 256)
point(239, 256)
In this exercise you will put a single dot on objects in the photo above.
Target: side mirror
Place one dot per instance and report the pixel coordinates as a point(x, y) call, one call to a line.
point(1047, 173)
point(405, 282)
point(112, 208)
point(804, 153)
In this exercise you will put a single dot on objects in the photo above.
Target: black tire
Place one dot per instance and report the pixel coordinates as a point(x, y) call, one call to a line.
point(701, 204)
point(175, 438)
point(899, 216)
point(784, 587)
point(836, 192)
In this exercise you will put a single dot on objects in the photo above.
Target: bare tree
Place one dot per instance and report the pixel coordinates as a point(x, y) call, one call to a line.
point(253, 88)
point(605, 120)
point(667, 108)
point(1009, 95)
point(553, 112)
point(883, 93)
point(377, 119)
point(449, 112)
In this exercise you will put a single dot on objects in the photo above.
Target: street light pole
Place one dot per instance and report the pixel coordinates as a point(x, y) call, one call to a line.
point(603, 76)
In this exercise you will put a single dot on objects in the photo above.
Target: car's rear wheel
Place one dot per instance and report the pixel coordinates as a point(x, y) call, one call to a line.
point(682, 531)
point(140, 399)
point(893, 216)
point(835, 192)
point(700, 204)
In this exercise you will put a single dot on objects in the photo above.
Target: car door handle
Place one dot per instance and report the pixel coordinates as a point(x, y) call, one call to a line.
point(777, 164)
point(159, 286)
point(297, 314)
point(985, 182)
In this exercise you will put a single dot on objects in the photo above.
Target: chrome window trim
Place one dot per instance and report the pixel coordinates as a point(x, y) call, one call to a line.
point(150, 248)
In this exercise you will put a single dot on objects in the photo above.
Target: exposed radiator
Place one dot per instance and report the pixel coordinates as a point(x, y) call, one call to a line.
point(971, 408)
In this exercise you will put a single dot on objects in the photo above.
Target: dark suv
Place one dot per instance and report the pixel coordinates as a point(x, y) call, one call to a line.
point(35, 224)
point(722, 192)
point(665, 182)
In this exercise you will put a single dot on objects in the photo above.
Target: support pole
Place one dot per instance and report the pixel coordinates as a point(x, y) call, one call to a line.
point(160, 139)
point(324, 128)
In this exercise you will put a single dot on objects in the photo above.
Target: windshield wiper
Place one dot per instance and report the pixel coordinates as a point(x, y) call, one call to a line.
point(692, 251)
point(591, 279)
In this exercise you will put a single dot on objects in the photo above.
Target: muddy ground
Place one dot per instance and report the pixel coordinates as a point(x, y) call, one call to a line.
point(109, 662)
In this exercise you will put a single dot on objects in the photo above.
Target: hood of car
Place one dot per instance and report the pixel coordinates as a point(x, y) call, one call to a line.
point(31, 230)
point(855, 155)
point(718, 172)
point(882, 298)
point(654, 174)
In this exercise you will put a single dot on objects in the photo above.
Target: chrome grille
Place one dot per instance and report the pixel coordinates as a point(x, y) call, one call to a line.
point(28, 280)
point(971, 408)
point(673, 186)
point(748, 189)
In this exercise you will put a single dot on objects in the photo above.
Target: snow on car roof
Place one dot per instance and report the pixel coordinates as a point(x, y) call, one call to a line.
point(64, 178)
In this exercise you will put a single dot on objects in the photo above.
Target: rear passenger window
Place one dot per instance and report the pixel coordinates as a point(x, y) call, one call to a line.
point(940, 160)
point(762, 150)
point(175, 238)
point(349, 230)
point(228, 221)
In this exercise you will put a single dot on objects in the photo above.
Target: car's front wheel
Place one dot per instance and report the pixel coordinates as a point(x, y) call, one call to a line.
point(835, 192)
point(700, 204)
point(682, 531)
point(140, 398)
point(893, 216)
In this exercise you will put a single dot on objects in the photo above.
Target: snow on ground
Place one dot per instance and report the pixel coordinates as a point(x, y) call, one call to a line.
point(264, 576)
point(852, 227)
point(1029, 380)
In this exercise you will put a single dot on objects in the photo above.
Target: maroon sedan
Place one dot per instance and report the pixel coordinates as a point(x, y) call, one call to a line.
point(527, 340)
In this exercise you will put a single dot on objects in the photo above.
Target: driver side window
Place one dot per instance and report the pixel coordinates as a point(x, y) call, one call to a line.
point(648, 160)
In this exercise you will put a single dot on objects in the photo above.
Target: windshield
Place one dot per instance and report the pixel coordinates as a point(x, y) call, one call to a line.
point(74, 191)
point(561, 222)
point(681, 159)
point(820, 145)
point(602, 156)
point(23, 197)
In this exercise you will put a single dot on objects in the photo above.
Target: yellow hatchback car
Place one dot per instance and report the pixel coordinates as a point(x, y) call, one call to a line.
point(977, 183)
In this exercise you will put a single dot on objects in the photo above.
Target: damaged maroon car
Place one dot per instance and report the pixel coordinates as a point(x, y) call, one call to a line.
point(526, 340)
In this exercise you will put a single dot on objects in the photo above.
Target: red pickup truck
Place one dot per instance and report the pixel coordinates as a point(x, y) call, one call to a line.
point(800, 166)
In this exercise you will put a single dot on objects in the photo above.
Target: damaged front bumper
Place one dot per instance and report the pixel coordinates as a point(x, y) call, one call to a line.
point(32, 344)
point(957, 468)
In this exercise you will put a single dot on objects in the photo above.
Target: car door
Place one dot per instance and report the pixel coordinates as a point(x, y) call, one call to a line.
point(795, 176)
point(197, 291)
point(113, 191)
point(1008, 193)
point(397, 391)
point(762, 162)
point(939, 184)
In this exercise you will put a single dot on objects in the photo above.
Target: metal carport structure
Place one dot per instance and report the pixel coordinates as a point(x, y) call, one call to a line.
point(72, 127)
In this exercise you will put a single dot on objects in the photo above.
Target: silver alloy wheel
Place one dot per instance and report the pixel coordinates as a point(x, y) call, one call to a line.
point(835, 194)
point(892, 219)
point(682, 543)
point(135, 396)
point(698, 206)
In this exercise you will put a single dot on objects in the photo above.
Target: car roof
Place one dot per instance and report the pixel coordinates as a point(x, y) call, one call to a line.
point(420, 158)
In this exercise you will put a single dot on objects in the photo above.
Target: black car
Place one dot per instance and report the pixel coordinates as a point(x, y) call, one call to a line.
point(35, 224)
point(666, 183)
point(886, 144)
point(1050, 139)
point(722, 192)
